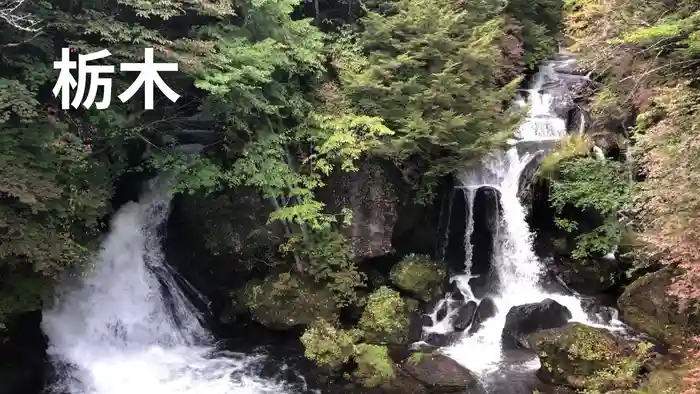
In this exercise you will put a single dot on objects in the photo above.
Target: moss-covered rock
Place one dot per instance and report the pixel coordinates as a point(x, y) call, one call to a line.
point(587, 358)
point(401, 384)
point(440, 373)
point(589, 276)
point(386, 318)
point(662, 382)
point(420, 276)
point(646, 306)
point(328, 345)
point(284, 300)
point(374, 366)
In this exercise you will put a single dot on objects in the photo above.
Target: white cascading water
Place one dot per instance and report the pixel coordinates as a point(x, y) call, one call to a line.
point(126, 328)
point(516, 265)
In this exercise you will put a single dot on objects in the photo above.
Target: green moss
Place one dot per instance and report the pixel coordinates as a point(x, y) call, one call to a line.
point(646, 306)
point(570, 147)
point(662, 382)
point(285, 300)
point(419, 275)
point(328, 345)
point(416, 357)
point(587, 358)
point(579, 341)
point(385, 318)
point(621, 375)
point(374, 367)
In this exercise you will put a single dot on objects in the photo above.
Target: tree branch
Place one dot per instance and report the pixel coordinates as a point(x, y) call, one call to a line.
point(10, 14)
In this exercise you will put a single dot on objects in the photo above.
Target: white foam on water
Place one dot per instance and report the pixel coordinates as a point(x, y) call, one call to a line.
point(518, 268)
point(127, 328)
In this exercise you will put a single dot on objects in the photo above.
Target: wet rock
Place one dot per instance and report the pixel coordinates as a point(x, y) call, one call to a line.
point(486, 310)
point(598, 313)
point(454, 292)
point(646, 306)
point(464, 316)
point(441, 374)
point(401, 384)
point(589, 276)
point(486, 213)
point(419, 276)
point(426, 321)
point(441, 313)
point(526, 319)
point(441, 339)
point(587, 358)
point(553, 284)
point(283, 301)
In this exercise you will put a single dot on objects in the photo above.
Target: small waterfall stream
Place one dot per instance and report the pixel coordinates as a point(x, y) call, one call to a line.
point(517, 271)
point(127, 328)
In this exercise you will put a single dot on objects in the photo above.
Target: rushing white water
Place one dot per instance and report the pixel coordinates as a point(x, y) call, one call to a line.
point(126, 327)
point(516, 265)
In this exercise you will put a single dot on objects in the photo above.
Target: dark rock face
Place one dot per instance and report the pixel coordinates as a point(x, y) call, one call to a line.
point(597, 311)
point(401, 384)
point(23, 352)
point(454, 292)
point(293, 306)
point(487, 212)
point(441, 340)
point(526, 189)
point(441, 374)
point(456, 216)
point(526, 319)
point(464, 316)
point(373, 195)
point(442, 311)
point(234, 223)
point(486, 310)
point(646, 306)
point(589, 276)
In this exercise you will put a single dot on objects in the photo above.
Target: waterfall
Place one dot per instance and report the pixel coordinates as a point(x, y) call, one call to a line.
point(126, 327)
point(516, 266)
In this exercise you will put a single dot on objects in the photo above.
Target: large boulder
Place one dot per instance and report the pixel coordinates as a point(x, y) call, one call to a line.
point(284, 300)
point(419, 276)
point(440, 373)
point(231, 223)
point(464, 316)
point(372, 194)
point(592, 276)
point(646, 306)
point(486, 310)
point(526, 319)
point(587, 358)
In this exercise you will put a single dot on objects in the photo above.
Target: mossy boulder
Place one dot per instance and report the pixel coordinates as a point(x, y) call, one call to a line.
point(646, 306)
point(328, 345)
point(440, 373)
point(591, 276)
point(587, 358)
point(282, 301)
point(387, 317)
point(374, 366)
point(419, 276)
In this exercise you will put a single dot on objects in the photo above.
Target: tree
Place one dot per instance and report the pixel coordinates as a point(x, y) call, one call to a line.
point(437, 72)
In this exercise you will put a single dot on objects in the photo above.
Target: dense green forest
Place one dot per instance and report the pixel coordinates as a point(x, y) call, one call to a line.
point(286, 92)
point(283, 94)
